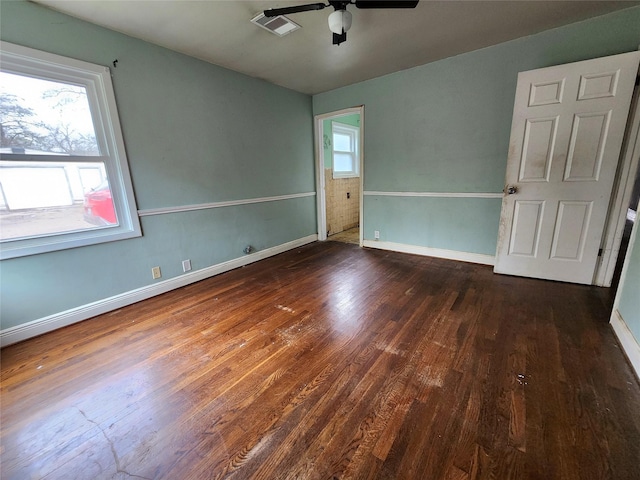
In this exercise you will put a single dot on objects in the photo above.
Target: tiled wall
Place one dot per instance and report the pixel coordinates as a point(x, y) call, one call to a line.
point(342, 213)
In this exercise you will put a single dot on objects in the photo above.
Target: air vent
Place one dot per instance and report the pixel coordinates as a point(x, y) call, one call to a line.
point(279, 25)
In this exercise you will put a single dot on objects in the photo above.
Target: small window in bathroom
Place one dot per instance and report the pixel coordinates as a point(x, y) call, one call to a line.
point(346, 159)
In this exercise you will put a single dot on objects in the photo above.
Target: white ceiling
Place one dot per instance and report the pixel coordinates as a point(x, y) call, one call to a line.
point(379, 42)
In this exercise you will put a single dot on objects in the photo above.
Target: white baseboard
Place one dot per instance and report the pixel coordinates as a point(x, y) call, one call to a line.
point(432, 252)
point(627, 341)
point(78, 314)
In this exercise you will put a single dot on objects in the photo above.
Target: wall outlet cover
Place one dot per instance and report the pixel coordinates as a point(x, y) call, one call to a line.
point(155, 273)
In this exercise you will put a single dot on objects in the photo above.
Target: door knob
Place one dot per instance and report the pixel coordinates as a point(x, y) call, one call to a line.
point(511, 189)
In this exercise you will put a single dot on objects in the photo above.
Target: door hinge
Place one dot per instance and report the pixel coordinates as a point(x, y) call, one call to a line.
point(600, 252)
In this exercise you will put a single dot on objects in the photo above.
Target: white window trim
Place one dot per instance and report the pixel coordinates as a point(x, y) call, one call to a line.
point(97, 81)
point(354, 133)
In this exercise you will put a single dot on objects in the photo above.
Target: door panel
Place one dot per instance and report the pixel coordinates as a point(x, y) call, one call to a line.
point(598, 85)
point(546, 93)
point(572, 225)
point(586, 147)
point(566, 134)
point(526, 228)
point(539, 140)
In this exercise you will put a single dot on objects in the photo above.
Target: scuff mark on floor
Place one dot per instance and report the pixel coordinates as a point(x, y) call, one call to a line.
point(116, 459)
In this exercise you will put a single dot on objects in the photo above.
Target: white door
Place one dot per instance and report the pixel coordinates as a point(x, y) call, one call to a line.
point(566, 134)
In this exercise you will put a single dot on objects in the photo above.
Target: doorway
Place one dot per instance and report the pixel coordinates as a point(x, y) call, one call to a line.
point(339, 172)
point(631, 216)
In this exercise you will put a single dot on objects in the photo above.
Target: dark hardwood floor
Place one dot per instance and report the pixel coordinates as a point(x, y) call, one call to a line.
point(330, 362)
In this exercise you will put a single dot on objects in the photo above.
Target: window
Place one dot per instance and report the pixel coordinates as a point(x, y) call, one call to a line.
point(64, 178)
point(346, 160)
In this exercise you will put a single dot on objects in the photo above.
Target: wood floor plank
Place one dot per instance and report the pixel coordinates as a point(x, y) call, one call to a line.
point(330, 362)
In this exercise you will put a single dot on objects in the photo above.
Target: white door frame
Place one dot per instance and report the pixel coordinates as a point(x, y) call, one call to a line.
point(320, 184)
point(621, 197)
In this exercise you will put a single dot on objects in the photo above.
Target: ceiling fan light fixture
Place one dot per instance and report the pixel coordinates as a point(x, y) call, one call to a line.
point(340, 21)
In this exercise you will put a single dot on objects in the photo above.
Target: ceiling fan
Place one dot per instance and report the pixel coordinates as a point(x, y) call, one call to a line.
point(340, 19)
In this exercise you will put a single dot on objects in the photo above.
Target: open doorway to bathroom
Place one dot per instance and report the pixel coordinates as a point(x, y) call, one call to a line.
point(339, 150)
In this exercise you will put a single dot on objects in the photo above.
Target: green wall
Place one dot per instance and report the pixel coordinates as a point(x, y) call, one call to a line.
point(444, 127)
point(442, 221)
point(194, 133)
point(353, 120)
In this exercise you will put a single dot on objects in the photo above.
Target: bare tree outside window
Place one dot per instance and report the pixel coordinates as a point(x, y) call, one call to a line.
point(47, 116)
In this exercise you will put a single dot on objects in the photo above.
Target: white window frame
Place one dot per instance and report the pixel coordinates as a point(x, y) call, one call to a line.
point(96, 79)
point(354, 135)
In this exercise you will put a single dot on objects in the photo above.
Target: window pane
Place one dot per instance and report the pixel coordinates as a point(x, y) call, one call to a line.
point(48, 198)
point(59, 136)
point(343, 162)
point(44, 117)
point(342, 142)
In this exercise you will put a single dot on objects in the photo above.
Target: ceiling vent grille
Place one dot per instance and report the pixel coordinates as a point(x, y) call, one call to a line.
point(279, 25)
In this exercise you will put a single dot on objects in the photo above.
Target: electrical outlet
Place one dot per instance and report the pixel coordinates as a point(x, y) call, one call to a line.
point(376, 234)
point(186, 265)
point(155, 272)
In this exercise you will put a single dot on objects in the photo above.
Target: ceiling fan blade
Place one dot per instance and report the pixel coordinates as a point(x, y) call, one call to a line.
point(274, 12)
point(386, 3)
